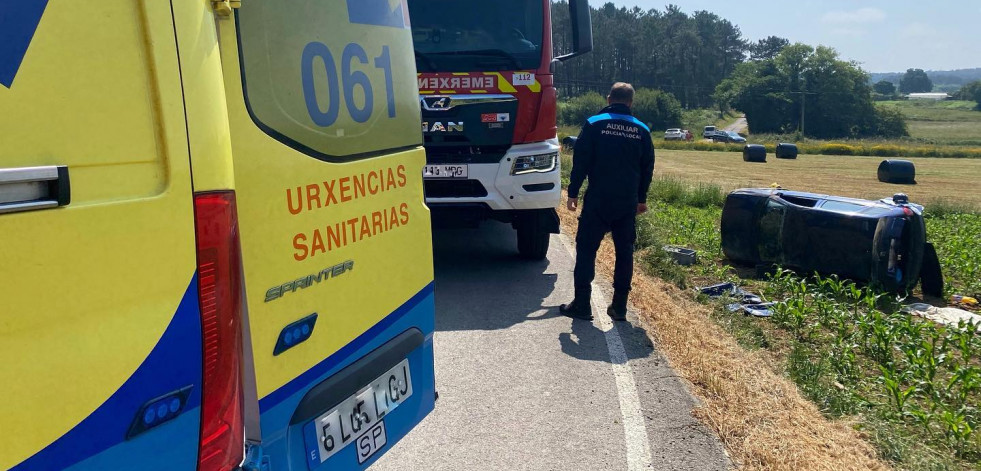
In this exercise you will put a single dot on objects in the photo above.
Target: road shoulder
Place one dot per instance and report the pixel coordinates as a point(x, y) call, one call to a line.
point(676, 439)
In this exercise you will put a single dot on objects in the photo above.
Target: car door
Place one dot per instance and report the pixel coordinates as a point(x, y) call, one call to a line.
point(99, 314)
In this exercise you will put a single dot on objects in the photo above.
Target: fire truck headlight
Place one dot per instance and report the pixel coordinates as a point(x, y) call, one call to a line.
point(541, 163)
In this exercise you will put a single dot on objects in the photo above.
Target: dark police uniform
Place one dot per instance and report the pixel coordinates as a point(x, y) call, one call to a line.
point(615, 153)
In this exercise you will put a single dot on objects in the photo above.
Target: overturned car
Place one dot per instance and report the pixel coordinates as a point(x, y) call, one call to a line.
point(882, 243)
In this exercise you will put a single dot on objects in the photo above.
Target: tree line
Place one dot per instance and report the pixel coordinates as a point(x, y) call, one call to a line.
point(943, 80)
point(704, 61)
point(913, 81)
point(811, 91)
point(686, 55)
point(656, 108)
point(970, 92)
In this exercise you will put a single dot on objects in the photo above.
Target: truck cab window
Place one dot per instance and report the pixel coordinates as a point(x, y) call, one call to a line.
point(465, 36)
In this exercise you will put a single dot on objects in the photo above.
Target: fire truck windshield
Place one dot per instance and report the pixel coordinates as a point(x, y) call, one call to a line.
point(477, 35)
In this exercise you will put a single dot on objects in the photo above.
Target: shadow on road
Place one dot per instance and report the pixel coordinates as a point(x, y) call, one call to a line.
point(482, 283)
point(587, 342)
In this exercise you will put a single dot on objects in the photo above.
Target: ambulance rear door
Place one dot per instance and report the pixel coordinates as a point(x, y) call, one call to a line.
point(336, 242)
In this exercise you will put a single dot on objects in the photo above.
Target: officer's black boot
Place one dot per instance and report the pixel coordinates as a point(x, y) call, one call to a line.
point(579, 308)
point(618, 308)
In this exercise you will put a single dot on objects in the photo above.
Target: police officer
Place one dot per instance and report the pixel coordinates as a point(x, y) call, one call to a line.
point(616, 154)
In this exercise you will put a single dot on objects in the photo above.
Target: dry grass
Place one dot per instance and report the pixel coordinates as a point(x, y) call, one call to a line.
point(760, 416)
point(953, 180)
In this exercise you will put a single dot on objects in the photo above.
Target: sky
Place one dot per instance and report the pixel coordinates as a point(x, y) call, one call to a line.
point(881, 35)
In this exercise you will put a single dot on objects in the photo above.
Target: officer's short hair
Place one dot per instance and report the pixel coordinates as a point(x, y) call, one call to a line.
point(622, 92)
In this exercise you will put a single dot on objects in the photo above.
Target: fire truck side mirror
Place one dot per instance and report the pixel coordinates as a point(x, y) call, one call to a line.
point(582, 30)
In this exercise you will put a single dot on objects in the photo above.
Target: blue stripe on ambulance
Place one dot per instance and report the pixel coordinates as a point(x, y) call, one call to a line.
point(99, 441)
point(18, 22)
point(278, 407)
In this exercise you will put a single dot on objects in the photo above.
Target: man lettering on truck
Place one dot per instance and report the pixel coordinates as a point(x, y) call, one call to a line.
point(616, 154)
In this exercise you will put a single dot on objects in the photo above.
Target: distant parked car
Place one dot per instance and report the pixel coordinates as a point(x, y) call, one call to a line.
point(709, 131)
point(674, 134)
point(879, 242)
point(728, 136)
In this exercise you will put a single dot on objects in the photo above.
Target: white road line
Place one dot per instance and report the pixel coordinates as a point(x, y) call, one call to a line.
point(634, 428)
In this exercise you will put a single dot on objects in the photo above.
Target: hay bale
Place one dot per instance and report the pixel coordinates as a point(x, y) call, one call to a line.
point(786, 151)
point(897, 171)
point(754, 153)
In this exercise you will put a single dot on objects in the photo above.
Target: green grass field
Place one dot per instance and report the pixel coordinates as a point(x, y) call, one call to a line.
point(941, 122)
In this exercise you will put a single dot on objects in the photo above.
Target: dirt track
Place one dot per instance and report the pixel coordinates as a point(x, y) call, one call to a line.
point(739, 126)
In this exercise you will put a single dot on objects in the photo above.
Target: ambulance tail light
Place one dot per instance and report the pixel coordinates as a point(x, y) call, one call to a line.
point(221, 445)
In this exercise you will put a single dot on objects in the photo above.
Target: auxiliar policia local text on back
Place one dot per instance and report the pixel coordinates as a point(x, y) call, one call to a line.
point(216, 252)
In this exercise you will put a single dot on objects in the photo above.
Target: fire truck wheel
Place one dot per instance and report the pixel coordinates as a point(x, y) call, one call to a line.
point(533, 241)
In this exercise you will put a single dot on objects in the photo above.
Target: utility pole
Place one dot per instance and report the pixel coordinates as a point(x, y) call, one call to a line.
point(802, 101)
point(803, 98)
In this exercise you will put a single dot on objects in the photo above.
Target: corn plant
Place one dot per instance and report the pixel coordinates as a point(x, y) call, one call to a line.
point(898, 395)
point(928, 375)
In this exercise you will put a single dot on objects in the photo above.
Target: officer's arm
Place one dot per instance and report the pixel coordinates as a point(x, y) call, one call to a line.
point(647, 170)
point(582, 160)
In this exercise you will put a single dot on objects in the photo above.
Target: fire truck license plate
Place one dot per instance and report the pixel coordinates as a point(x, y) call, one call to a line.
point(358, 420)
point(445, 171)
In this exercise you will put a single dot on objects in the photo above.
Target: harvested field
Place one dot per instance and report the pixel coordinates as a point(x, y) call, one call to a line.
point(952, 180)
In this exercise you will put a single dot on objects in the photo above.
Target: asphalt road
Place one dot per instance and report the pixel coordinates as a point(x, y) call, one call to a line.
point(524, 388)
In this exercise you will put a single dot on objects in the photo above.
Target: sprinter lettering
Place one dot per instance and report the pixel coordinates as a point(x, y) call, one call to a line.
point(279, 291)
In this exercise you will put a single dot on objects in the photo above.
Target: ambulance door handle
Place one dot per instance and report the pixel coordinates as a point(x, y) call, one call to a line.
point(33, 188)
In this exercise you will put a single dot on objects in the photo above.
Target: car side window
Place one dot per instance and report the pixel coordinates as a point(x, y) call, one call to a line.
point(771, 230)
point(842, 207)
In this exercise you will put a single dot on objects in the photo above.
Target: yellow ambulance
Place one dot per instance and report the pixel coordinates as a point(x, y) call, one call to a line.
point(214, 248)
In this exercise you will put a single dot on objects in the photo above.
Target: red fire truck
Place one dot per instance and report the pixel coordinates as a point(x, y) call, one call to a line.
point(489, 111)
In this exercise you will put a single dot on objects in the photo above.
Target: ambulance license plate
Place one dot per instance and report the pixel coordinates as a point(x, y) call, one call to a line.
point(359, 418)
point(445, 171)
